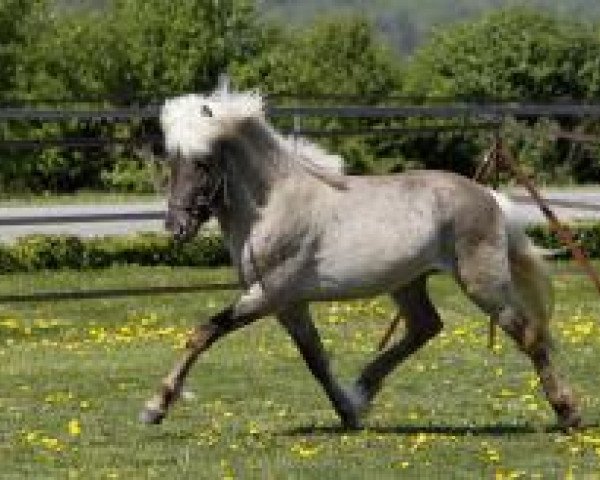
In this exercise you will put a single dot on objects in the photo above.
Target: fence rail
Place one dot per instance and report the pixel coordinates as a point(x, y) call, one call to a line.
point(19, 221)
point(89, 142)
point(159, 214)
point(457, 110)
point(473, 116)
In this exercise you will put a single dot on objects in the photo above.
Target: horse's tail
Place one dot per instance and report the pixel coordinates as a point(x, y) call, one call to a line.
point(531, 279)
point(533, 286)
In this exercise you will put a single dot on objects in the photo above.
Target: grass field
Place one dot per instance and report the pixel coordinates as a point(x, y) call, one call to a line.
point(74, 375)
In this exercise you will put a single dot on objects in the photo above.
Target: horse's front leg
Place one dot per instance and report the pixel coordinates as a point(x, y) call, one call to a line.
point(250, 306)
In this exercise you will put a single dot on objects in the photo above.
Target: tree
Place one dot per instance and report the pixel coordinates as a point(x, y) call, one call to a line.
point(512, 54)
point(341, 55)
point(20, 21)
point(184, 45)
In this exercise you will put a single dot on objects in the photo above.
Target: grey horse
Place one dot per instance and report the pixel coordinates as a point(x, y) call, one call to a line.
point(298, 231)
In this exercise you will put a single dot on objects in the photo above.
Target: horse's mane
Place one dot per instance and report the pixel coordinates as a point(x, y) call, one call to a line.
point(192, 122)
point(316, 161)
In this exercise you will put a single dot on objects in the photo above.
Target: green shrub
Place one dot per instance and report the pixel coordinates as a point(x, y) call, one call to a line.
point(53, 252)
point(586, 234)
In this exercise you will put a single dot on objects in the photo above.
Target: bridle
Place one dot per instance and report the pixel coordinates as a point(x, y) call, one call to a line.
point(203, 205)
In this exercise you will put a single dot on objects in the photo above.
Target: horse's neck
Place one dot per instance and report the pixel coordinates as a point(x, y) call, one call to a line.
point(254, 162)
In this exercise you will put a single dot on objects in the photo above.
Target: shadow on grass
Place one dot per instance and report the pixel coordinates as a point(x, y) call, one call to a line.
point(493, 430)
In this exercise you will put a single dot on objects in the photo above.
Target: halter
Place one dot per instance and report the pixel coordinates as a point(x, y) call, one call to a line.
point(203, 205)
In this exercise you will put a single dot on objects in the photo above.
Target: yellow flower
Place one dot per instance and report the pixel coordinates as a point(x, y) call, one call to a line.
point(51, 444)
point(304, 450)
point(74, 427)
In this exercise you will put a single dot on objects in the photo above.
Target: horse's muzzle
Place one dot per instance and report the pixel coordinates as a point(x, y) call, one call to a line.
point(184, 226)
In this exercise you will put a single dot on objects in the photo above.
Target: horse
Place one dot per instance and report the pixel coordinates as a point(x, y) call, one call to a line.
point(299, 231)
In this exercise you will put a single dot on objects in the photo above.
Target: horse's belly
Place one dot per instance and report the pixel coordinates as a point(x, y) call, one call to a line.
point(373, 264)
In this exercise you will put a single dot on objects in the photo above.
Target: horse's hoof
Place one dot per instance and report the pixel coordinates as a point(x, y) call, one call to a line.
point(151, 417)
point(352, 423)
point(570, 421)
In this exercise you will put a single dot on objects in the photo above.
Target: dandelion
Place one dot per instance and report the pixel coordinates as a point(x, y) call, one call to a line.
point(253, 429)
point(228, 473)
point(304, 450)
point(51, 444)
point(569, 474)
point(490, 454)
point(10, 323)
point(506, 393)
point(74, 427)
point(534, 382)
point(493, 455)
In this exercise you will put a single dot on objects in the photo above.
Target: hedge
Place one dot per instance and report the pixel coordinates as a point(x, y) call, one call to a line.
point(53, 252)
point(587, 235)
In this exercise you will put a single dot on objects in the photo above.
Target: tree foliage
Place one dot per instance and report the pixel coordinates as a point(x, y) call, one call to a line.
point(515, 54)
point(20, 21)
point(140, 47)
point(335, 55)
point(510, 54)
point(135, 50)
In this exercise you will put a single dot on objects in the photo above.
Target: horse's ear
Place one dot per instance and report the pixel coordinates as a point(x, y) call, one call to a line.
point(206, 111)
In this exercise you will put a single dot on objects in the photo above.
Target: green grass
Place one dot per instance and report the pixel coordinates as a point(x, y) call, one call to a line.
point(454, 410)
point(80, 198)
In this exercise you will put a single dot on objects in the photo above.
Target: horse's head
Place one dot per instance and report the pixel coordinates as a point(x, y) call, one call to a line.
point(194, 183)
point(196, 129)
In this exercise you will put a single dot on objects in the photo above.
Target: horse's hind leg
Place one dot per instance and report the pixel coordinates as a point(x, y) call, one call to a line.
point(422, 324)
point(555, 388)
point(489, 284)
point(298, 323)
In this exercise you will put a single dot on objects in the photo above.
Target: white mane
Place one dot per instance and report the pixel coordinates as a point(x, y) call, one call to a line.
point(312, 155)
point(191, 123)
